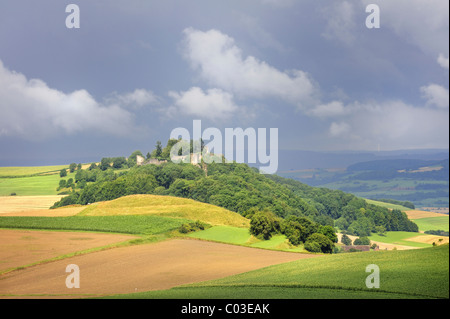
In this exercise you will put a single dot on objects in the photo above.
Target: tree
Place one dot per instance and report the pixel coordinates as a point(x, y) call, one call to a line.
point(313, 247)
point(72, 167)
point(329, 232)
point(93, 166)
point(63, 173)
point(380, 230)
point(165, 153)
point(362, 241)
point(105, 163)
point(346, 240)
point(70, 183)
point(62, 183)
point(119, 162)
point(260, 226)
point(80, 176)
point(325, 244)
point(298, 229)
point(158, 149)
point(79, 166)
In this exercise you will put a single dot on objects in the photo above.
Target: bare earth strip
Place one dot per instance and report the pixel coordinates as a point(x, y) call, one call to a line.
point(24, 247)
point(14, 204)
point(140, 268)
point(429, 239)
point(417, 214)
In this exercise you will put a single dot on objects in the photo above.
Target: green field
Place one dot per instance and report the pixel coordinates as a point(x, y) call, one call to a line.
point(432, 223)
point(387, 205)
point(241, 236)
point(140, 225)
point(224, 234)
point(32, 185)
point(399, 238)
point(403, 274)
point(31, 170)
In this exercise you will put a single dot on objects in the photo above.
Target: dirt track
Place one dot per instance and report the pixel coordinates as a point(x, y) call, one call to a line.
point(141, 268)
point(417, 214)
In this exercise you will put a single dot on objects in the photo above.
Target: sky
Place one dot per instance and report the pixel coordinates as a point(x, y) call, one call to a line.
point(135, 70)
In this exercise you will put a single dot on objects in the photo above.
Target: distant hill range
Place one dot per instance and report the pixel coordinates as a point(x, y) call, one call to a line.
point(297, 160)
point(421, 177)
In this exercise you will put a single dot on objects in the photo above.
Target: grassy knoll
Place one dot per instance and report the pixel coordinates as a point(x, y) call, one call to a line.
point(241, 236)
point(224, 234)
point(167, 206)
point(399, 238)
point(144, 225)
point(419, 273)
point(432, 223)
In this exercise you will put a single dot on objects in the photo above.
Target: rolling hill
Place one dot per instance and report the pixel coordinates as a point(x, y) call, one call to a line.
point(166, 206)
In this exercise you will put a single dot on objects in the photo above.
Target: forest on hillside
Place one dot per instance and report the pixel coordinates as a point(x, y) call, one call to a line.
point(241, 189)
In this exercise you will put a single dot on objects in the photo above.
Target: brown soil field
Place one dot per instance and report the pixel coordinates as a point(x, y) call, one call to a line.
point(24, 247)
point(417, 214)
point(141, 268)
point(14, 204)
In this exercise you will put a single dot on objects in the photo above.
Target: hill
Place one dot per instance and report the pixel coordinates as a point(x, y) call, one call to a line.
point(422, 182)
point(166, 206)
point(239, 188)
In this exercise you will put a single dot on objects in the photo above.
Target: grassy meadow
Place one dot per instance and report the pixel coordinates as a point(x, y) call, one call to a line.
point(30, 170)
point(139, 225)
point(38, 185)
point(399, 238)
point(241, 236)
point(387, 205)
point(433, 223)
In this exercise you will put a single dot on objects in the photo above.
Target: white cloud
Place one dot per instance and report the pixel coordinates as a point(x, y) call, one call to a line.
point(221, 64)
point(393, 124)
point(332, 109)
point(32, 110)
point(443, 61)
point(436, 95)
point(136, 99)
point(213, 104)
